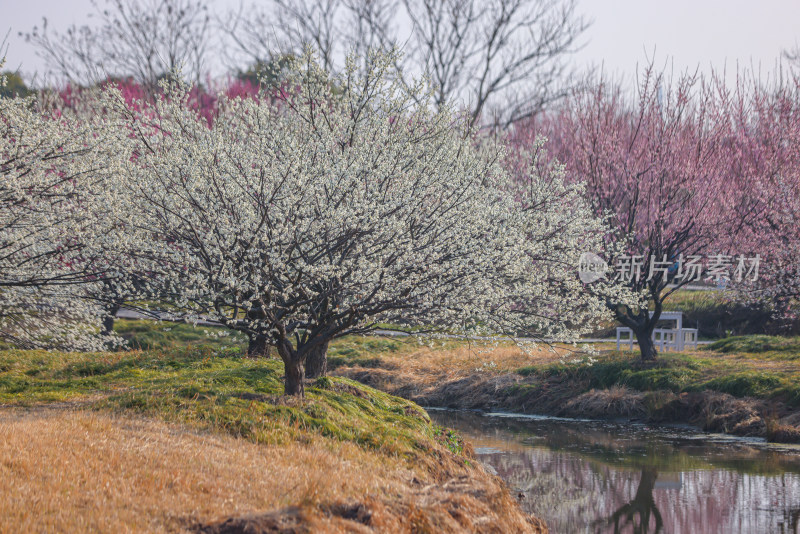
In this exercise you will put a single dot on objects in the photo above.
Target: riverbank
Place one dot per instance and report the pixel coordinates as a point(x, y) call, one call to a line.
point(583, 475)
point(744, 386)
point(200, 440)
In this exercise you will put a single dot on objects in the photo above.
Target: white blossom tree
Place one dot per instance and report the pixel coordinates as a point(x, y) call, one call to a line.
point(352, 201)
point(50, 163)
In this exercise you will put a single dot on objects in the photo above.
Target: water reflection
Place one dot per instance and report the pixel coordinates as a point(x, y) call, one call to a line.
point(597, 477)
point(636, 514)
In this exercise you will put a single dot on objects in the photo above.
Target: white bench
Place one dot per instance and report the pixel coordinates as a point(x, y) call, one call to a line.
point(664, 339)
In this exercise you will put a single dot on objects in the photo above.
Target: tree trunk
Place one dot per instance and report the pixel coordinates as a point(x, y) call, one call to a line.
point(317, 361)
point(258, 346)
point(646, 346)
point(294, 378)
point(108, 320)
point(292, 367)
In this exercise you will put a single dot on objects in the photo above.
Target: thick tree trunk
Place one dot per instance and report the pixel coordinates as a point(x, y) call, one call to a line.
point(647, 348)
point(258, 346)
point(108, 320)
point(292, 366)
point(642, 326)
point(294, 378)
point(317, 361)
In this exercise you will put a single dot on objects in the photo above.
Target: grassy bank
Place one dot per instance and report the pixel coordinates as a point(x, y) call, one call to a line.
point(745, 385)
point(748, 386)
point(200, 439)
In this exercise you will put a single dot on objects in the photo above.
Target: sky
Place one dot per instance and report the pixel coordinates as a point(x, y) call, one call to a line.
point(688, 34)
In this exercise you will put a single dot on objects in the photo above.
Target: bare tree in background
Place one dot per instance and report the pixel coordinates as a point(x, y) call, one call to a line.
point(504, 58)
point(146, 39)
point(287, 26)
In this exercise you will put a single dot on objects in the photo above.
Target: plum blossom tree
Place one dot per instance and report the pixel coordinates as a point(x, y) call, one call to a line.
point(657, 164)
point(49, 164)
point(762, 124)
point(349, 203)
point(125, 279)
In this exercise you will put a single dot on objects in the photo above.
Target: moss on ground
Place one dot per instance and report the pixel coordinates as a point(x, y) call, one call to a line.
point(218, 390)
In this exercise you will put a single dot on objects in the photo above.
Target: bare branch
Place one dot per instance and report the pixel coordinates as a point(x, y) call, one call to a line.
point(146, 40)
point(504, 57)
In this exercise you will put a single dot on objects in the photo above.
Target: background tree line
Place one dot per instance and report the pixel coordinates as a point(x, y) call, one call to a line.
point(504, 59)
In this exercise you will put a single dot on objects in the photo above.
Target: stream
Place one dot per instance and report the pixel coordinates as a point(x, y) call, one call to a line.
point(599, 476)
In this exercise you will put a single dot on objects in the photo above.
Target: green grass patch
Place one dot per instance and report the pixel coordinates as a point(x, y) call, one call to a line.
point(218, 390)
point(789, 346)
point(723, 368)
point(746, 384)
point(164, 335)
point(672, 372)
point(450, 439)
point(364, 351)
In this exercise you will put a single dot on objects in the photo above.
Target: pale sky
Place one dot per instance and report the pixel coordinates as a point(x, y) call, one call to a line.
point(691, 33)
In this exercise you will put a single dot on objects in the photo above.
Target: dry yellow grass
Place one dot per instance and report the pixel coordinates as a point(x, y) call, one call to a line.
point(463, 359)
point(66, 470)
point(437, 376)
point(79, 471)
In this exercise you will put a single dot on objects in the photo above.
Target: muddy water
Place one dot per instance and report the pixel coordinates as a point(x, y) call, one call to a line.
point(598, 477)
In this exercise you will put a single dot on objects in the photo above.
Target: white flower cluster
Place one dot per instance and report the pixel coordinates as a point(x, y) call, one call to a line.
point(50, 163)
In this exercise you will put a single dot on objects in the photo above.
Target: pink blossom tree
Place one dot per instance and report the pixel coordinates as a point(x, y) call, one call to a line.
point(656, 166)
point(763, 132)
